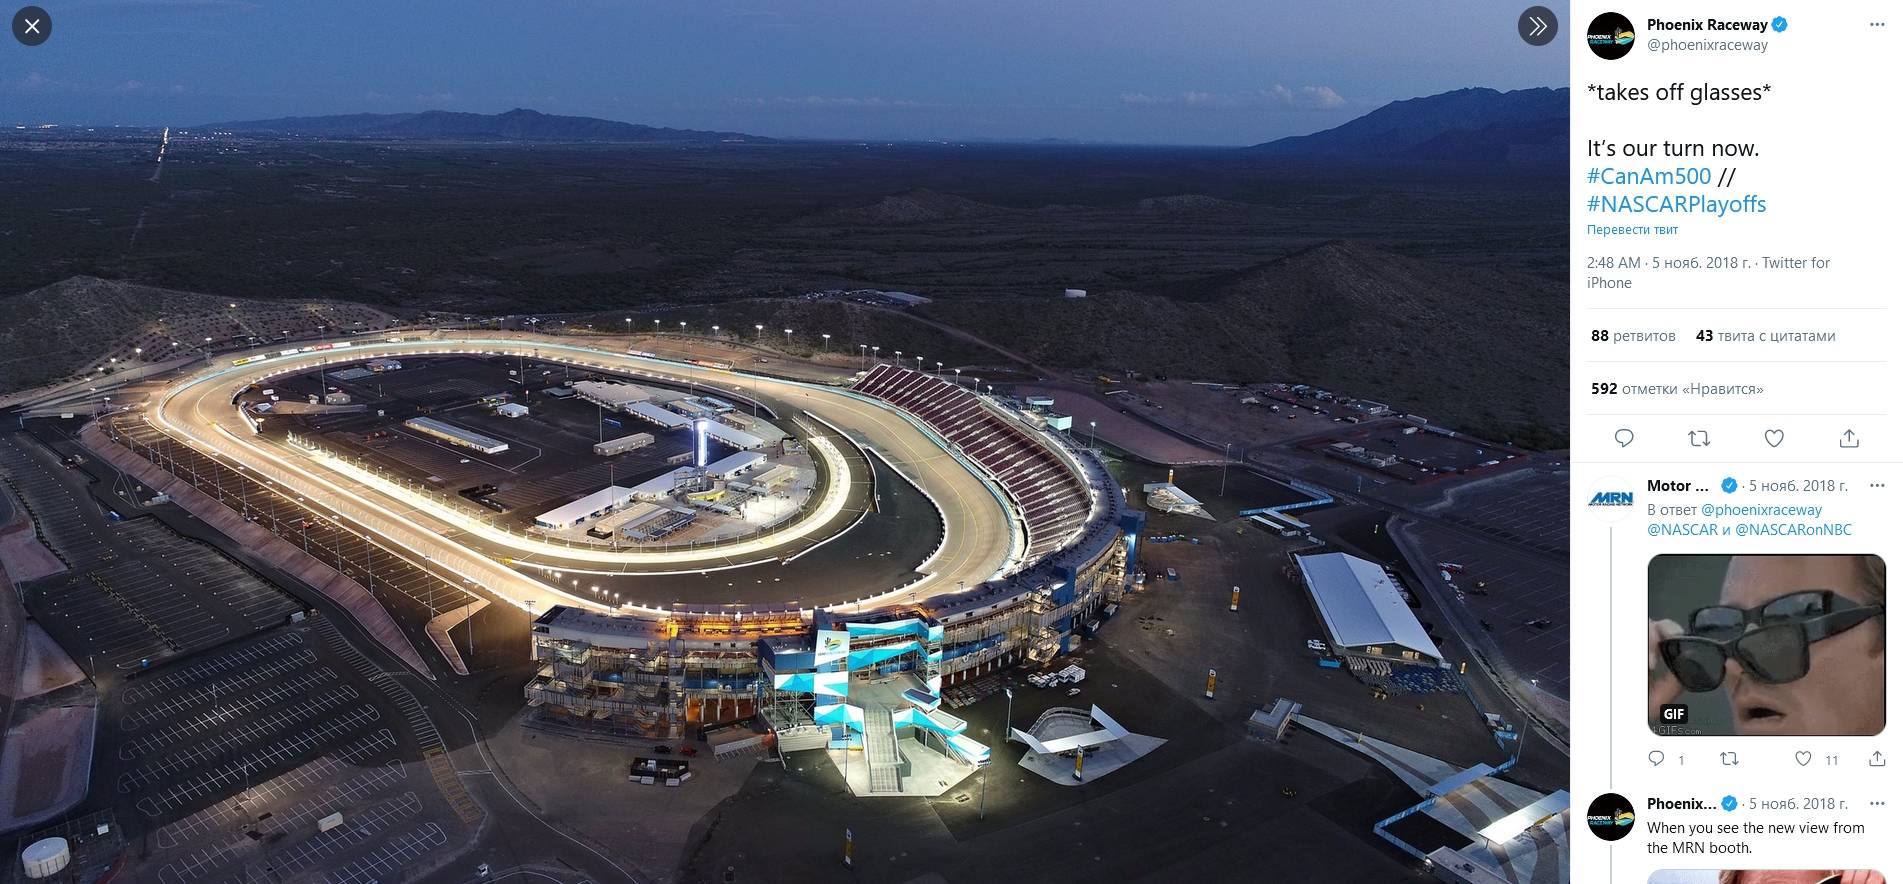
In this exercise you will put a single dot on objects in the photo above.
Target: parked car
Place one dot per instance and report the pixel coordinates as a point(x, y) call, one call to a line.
point(1316, 645)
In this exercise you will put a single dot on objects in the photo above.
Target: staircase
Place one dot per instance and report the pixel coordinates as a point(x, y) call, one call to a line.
point(882, 751)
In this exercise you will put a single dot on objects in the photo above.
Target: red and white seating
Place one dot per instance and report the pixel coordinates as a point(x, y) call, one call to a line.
point(1053, 501)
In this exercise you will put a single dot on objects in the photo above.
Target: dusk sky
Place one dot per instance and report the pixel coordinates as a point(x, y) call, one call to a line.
point(1138, 71)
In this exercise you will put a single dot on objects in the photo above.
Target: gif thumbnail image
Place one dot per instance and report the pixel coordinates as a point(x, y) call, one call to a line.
point(1767, 876)
point(1751, 645)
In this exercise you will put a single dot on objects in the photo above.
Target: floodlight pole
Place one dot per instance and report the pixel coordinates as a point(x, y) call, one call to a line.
point(1008, 697)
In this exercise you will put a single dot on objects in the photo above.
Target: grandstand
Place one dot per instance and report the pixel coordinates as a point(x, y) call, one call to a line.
point(1053, 501)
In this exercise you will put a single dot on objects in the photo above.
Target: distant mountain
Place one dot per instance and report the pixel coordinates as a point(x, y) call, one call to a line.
point(1468, 345)
point(1525, 127)
point(520, 124)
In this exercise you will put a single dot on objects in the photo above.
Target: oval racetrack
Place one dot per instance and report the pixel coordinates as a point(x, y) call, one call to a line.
point(978, 538)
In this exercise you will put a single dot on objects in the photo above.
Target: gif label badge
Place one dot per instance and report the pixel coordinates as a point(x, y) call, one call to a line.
point(1673, 713)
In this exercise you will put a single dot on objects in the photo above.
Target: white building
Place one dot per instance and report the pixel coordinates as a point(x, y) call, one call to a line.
point(656, 415)
point(664, 484)
point(625, 443)
point(734, 464)
point(1363, 610)
point(614, 397)
point(733, 437)
point(512, 410)
point(595, 505)
point(456, 435)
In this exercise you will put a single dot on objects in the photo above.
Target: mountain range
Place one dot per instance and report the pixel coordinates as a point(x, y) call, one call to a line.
point(1524, 127)
point(520, 124)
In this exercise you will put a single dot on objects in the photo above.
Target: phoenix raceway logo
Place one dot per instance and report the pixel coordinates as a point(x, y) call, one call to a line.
point(1610, 816)
point(1610, 36)
point(833, 643)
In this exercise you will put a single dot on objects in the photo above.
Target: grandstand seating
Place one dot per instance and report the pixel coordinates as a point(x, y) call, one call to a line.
point(1053, 501)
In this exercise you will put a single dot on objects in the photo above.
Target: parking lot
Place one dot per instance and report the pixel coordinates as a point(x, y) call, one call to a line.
point(1522, 591)
point(1529, 506)
point(136, 592)
point(222, 766)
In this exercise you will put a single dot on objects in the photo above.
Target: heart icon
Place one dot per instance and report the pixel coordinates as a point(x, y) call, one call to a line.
point(1803, 759)
point(1774, 437)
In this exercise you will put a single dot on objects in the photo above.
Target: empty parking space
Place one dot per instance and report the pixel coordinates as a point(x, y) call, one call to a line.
point(1523, 609)
point(227, 763)
point(136, 593)
point(66, 523)
point(1528, 506)
point(180, 677)
point(278, 706)
point(240, 591)
point(388, 860)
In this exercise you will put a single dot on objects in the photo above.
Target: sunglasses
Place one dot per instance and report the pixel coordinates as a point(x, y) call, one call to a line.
point(1771, 641)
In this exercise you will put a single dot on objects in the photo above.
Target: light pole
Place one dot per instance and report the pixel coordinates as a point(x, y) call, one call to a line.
point(1008, 697)
point(759, 331)
point(941, 368)
point(789, 338)
point(1223, 489)
point(1093, 435)
point(630, 321)
point(875, 353)
point(368, 575)
point(826, 342)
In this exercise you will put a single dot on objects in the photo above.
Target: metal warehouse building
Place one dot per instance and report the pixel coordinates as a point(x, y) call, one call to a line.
point(1364, 611)
point(456, 435)
point(575, 512)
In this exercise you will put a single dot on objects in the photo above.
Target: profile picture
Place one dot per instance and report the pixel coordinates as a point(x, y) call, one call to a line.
point(1763, 645)
point(1610, 36)
point(1766, 876)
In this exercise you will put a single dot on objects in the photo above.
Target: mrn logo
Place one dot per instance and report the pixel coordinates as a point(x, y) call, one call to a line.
point(1611, 498)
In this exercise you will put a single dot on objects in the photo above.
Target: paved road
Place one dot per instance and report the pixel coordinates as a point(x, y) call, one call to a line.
point(977, 544)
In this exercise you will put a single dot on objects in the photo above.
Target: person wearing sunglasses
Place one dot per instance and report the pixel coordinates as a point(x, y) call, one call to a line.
point(1796, 643)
